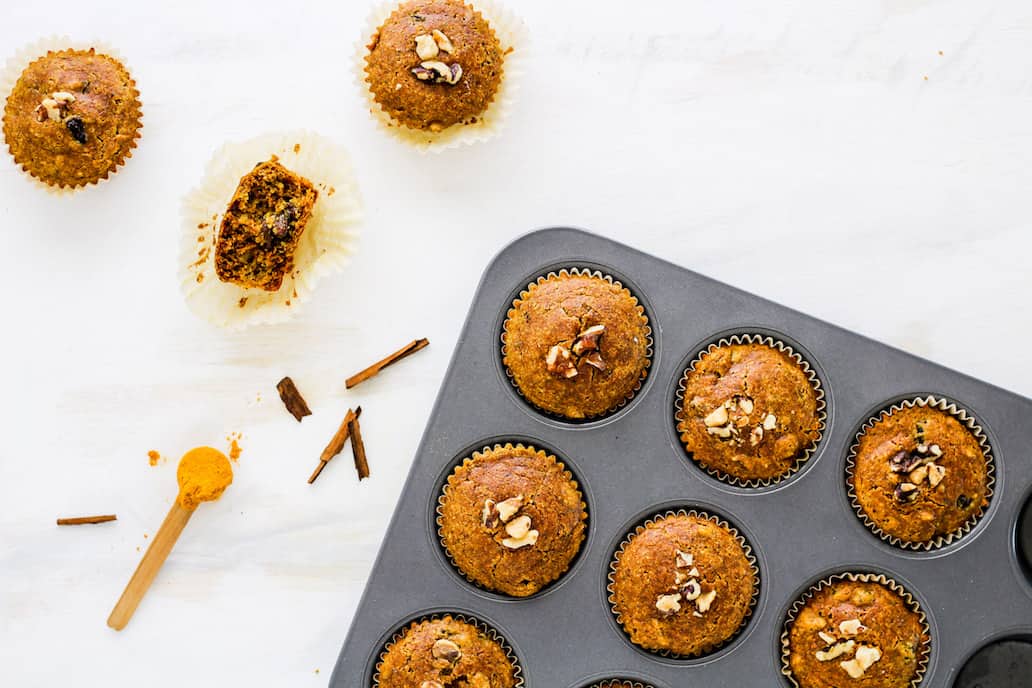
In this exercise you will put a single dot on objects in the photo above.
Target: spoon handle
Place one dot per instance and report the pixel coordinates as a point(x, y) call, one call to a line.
point(160, 546)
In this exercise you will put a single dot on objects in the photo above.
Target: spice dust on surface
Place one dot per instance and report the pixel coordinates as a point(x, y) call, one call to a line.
point(235, 450)
point(155, 457)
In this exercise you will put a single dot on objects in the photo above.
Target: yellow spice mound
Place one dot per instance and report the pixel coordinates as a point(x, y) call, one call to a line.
point(204, 474)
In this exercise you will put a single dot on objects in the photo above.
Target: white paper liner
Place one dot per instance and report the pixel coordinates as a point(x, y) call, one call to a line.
point(508, 446)
point(512, 34)
point(486, 629)
point(908, 599)
point(619, 683)
point(968, 421)
point(325, 246)
point(811, 374)
point(655, 518)
point(12, 71)
point(585, 272)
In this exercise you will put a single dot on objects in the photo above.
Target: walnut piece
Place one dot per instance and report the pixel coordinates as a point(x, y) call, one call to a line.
point(518, 527)
point(508, 508)
point(935, 474)
point(527, 540)
point(588, 340)
point(704, 601)
point(851, 627)
point(770, 422)
point(560, 361)
point(716, 418)
point(683, 559)
point(668, 604)
point(442, 41)
point(447, 650)
point(836, 650)
point(426, 47)
point(865, 656)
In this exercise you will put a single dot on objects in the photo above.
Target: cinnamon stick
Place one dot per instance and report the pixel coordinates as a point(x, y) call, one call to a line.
point(292, 399)
point(86, 520)
point(372, 370)
point(337, 443)
point(358, 450)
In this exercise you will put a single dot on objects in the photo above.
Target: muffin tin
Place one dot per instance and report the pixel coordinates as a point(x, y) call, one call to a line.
point(630, 465)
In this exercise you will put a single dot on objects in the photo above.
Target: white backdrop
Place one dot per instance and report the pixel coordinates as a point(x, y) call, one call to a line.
point(794, 149)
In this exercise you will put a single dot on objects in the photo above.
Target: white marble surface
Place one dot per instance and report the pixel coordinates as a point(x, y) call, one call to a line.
point(794, 149)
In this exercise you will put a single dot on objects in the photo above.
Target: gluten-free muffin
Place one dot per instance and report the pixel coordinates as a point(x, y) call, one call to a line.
point(683, 584)
point(918, 474)
point(512, 519)
point(856, 633)
point(445, 652)
point(434, 64)
point(72, 117)
point(749, 412)
point(576, 344)
point(263, 225)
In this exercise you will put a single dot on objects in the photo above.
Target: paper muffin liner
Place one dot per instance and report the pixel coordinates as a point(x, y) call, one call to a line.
point(470, 460)
point(584, 272)
point(513, 36)
point(620, 683)
point(483, 627)
point(614, 562)
point(12, 71)
point(968, 421)
point(324, 248)
point(908, 599)
point(803, 364)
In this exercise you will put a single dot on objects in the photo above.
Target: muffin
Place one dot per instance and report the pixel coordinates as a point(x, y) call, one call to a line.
point(72, 117)
point(446, 651)
point(683, 584)
point(576, 345)
point(750, 411)
point(512, 519)
point(856, 632)
point(919, 475)
point(436, 70)
point(263, 225)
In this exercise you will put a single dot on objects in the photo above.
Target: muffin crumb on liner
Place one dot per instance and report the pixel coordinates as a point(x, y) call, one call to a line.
point(804, 365)
point(651, 520)
point(582, 272)
point(483, 627)
point(908, 599)
point(469, 460)
point(512, 35)
point(26, 55)
point(324, 248)
point(965, 419)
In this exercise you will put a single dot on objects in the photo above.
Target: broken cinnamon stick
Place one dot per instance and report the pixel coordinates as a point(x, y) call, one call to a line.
point(292, 399)
point(358, 450)
point(337, 443)
point(372, 370)
point(86, 520)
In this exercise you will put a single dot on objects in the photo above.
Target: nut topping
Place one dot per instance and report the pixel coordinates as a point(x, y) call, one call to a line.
point(722, 432)
point(518, 527)
point(559, 361)
point(935, 474)
point(668, 604)
point(442, 41)
point(918, 475)
point(691, 590)
point(563, 360)
point(836, 650)
point(489, 514)
point(594, 359)
point(588, 340)
point(55, 107)
point(437, 72)
point(865, 656)
point(431, 684)
point(508, 508)
point(770, 422)
point(905, 492)
point(704, 601)
point(683, 559)
point(447, 650)
point(851, 627)
point(746, 405)
point(716, 418)
point(530, 538)
point(756, 436)
point(826, 637)
point(426, 47)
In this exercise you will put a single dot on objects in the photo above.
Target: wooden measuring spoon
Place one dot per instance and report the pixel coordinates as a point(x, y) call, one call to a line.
point(203, 474)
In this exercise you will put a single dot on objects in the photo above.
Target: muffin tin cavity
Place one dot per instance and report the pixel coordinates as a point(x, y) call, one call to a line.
point(506, 514)
point(744, 422)
point(1023, 538)
point(578, 357)
point(1002, 663)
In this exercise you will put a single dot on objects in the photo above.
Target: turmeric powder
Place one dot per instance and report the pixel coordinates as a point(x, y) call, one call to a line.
point(204, 474)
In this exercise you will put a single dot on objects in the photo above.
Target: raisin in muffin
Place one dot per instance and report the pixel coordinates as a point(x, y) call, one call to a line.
point(918, 474)
point(683, 584)
point(445, 652)
point(576, 345)
point(856, 633)
point(512, 519)
point(72, 117)
point(749, 411)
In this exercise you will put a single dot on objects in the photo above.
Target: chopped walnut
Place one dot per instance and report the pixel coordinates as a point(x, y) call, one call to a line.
point(668, 604)
point(447, 650)
point(716, 418)
point(563, 360)
point(683, 559)
point(560, 361)
point(935, 474)
point(836, 650)
point(518, 527)
point(704, 601)
point(426, 47)
point(442, 41)
point(588, 340)
point(851, 627)
point(865, 656)
point(527, 540)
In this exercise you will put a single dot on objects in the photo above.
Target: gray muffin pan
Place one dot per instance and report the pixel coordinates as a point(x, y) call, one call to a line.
point(630, 465)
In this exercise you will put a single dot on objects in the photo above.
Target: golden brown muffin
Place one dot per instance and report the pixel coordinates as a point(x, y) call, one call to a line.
point(919, 474)
point(72, 118)
point(576, 345)
point(853, 633)
point(263, 225)
point(512, 519)
point(750, 412)
point(434, 64)
point(683, 584)
point(445, 653)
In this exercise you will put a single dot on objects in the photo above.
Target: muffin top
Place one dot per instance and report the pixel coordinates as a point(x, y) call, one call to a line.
point(749, 412)
point(72, 117)
point(433, 64)
point(512, 519)
point(683, 584)
point(445, 652)
point(919, 474)
point(856, 633)
point(576, 345)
